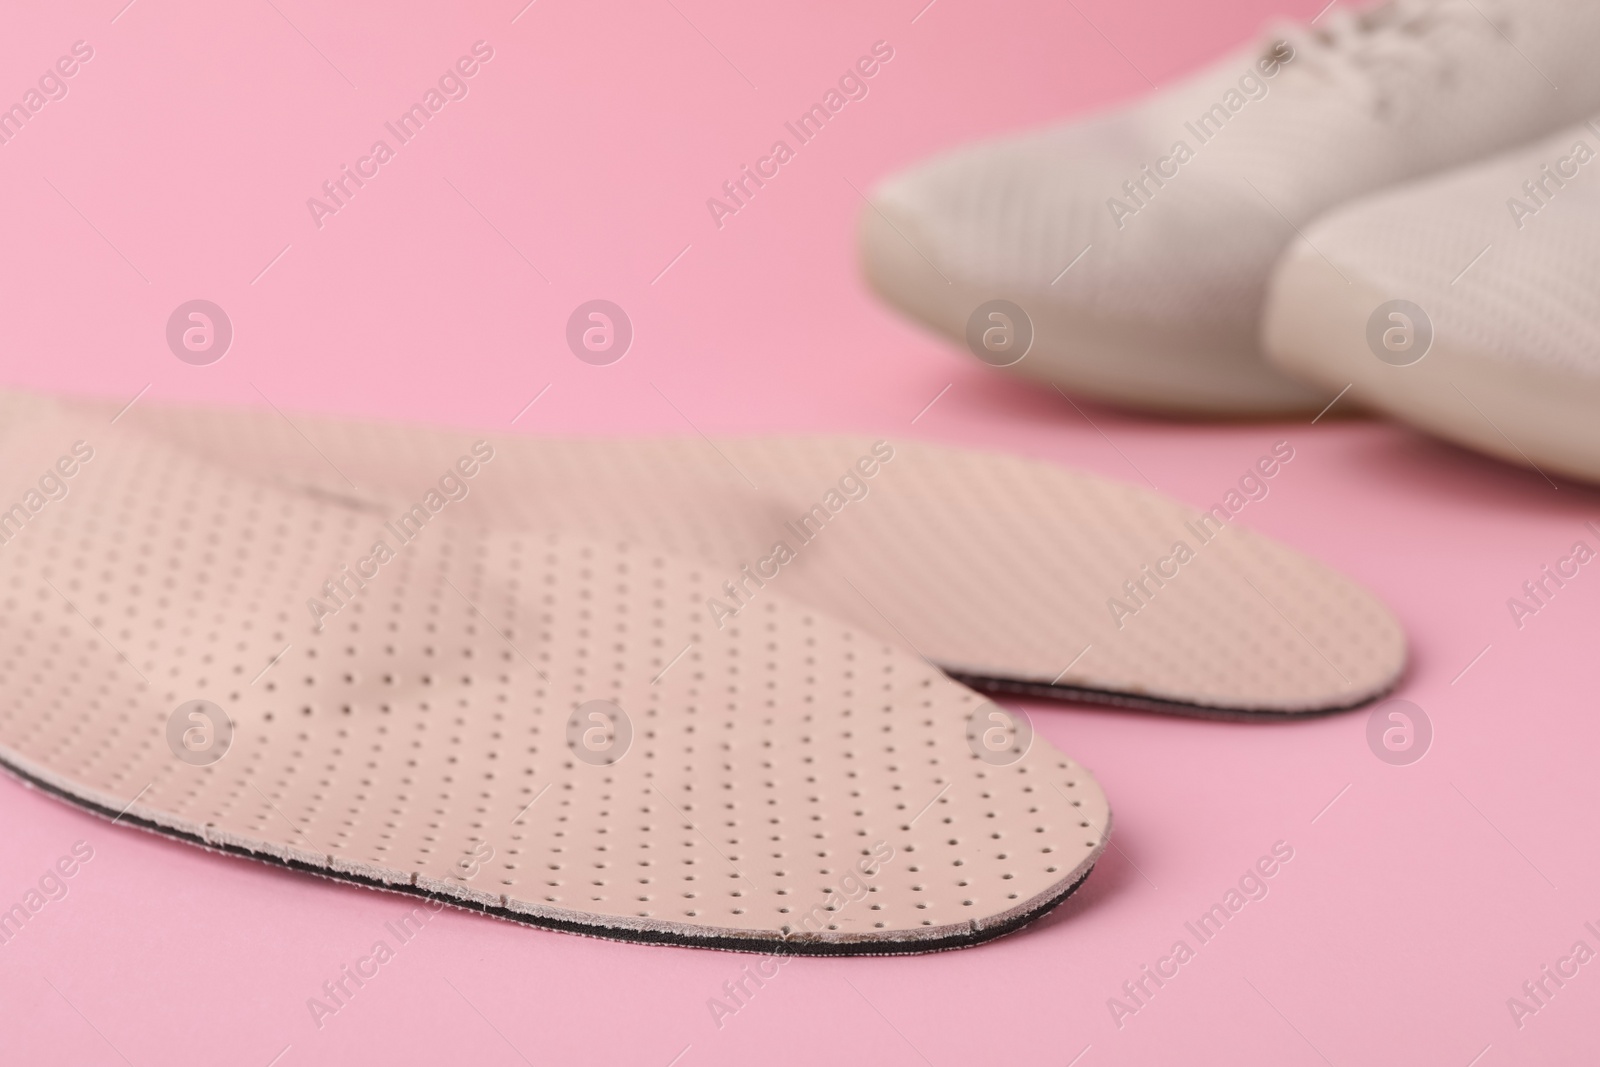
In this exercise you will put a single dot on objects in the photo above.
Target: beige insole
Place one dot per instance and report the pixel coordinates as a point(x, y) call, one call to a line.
point(1011, 574)
point(523, 721)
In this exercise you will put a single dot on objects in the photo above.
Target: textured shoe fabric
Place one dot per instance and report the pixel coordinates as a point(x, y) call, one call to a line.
point(1467, 304)
point(529, 725)
point(1171, 213)
point(1014, 575)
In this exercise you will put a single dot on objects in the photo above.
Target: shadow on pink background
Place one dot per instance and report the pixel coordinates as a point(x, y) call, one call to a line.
point(577, 166)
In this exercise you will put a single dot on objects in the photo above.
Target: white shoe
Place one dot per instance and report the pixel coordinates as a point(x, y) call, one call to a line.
point(1139, 244)
point(1468, 304)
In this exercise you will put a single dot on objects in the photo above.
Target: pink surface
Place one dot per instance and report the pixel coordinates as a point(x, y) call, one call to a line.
point(178, 167)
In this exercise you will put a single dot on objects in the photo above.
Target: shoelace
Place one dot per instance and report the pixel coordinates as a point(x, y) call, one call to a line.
point(1387, 48)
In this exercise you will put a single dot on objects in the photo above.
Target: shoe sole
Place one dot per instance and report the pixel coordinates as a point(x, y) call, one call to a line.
point(786, 781)
point(1315, 326)
point(1000, 570)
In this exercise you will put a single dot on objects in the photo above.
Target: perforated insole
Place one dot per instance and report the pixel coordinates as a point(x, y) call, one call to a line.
point(528, 723)
point(1012, 575)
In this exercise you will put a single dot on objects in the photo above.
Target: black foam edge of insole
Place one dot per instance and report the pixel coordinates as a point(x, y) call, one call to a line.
point(757, 945)
point(1133, 702)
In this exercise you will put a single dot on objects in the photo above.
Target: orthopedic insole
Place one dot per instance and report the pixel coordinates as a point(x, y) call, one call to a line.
point(1012, 575)
point(526, 723)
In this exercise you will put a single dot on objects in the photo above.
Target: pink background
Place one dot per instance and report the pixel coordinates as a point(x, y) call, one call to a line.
point(1415, 905)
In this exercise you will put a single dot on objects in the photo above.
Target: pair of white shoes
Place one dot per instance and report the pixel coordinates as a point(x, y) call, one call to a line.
point(1403, 200)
